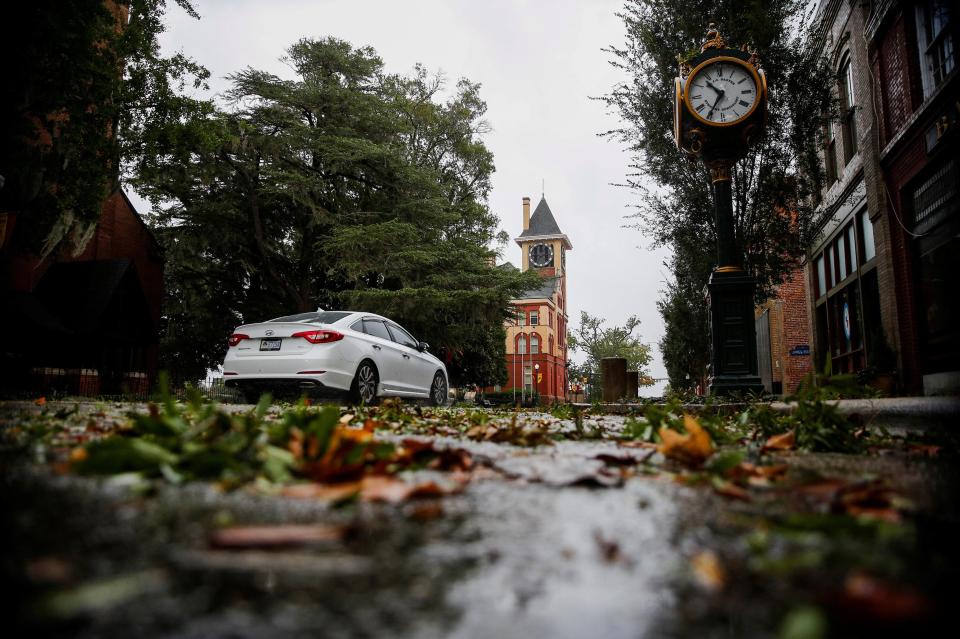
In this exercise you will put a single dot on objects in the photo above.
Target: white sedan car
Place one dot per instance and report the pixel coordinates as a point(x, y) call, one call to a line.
point(365, 355)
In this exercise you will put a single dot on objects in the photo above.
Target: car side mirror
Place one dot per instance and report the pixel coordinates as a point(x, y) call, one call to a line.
point(422, 346)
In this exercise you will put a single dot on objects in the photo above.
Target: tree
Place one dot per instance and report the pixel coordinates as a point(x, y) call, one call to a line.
point(596, 342)
point(773, 186)
point(81, 82)
point(344, 188)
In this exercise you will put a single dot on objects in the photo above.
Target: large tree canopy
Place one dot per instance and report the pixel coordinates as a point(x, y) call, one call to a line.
point(83, 78)
point(772, 186)
point(345, 187)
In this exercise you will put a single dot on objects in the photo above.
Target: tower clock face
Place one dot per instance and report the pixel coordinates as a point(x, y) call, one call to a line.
point(722, 91)
point(541, 255)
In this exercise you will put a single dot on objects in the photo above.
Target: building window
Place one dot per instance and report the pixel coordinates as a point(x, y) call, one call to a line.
point(550, 341)
point(851, 248)
point(534, 318)
point(866, 232)
point(522, 345)
point(848, 121)
point(821, 278)
point(521, 317)
point(935, 43)
point(534, 344)
point(830, 158)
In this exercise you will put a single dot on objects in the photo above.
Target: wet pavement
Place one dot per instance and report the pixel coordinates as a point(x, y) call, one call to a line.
point(545, 541)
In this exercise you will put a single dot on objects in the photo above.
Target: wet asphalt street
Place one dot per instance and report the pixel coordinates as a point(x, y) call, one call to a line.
point(548, 541)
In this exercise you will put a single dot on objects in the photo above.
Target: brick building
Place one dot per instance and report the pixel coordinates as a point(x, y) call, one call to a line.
point(93, 318)
point(536, 337)
point(916, 92)
point(783, 336)
point(885, 237)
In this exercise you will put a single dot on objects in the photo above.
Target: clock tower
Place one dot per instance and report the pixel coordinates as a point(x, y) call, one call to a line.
point(537, 334)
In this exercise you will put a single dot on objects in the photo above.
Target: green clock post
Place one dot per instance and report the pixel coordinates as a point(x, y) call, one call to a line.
point(719, 113)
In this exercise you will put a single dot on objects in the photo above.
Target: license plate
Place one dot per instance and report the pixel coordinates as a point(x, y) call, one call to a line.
point(270, 344)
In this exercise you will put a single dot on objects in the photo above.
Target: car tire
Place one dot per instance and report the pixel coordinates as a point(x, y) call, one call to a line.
point(438, 390)
point(363, 390)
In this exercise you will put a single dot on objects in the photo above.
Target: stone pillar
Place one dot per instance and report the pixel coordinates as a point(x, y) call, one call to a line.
point(613, 372)
point(633, 384)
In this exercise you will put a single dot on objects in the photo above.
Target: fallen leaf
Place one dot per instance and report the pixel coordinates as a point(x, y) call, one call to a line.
point(925, 450)
point(729, 489)
point(49, 570)
point(394, 491)
point(285, 535)
point(609, 548)
point(708, 571)
point(783, 441)
point(323, 492)
point(691, 449)
point(426, 511)
point(867, 596)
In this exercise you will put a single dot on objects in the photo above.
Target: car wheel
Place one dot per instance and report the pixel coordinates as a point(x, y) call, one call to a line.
point(438, 390)
point(364, 387)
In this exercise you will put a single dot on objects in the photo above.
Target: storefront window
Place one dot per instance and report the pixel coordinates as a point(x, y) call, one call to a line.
point(852, 248)
point(866, 231)
point(841, 259)
point(821, 278)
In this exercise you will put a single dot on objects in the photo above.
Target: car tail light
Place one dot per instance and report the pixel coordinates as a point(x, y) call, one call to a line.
point(319, 337)
point(236, 338)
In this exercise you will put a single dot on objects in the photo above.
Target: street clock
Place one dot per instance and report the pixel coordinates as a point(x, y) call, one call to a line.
point(720, 101)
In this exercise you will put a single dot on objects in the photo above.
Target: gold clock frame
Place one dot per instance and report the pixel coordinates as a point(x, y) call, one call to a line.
point(758, 76)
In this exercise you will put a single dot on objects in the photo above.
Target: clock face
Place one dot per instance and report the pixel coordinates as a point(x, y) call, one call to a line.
point(541, 255)
point(722, 91)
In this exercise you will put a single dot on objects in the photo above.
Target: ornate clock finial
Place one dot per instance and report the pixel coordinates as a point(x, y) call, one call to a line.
point(714, 39)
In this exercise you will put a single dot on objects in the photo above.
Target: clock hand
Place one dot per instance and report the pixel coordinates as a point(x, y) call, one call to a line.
point(715, 102)
point(712, 86)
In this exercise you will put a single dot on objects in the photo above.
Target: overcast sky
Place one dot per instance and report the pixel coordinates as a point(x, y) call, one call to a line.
point(539, 62)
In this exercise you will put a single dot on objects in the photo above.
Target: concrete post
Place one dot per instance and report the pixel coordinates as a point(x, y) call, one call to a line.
point(633, 383)
point(613, 372)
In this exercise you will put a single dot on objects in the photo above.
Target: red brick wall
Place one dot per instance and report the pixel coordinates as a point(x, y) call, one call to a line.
point(796, 330)
point(893, 79)
point(789, 327)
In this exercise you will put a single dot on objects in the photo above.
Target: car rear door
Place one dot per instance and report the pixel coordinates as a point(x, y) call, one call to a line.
point(384, 352)
point(417, 372)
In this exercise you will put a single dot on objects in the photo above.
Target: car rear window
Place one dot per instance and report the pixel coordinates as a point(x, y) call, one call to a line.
point(375, 328)
point(325, 317)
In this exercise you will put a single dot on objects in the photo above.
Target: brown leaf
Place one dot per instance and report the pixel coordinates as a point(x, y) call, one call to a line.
point(925, 450)
point(708, 571)
point(691, 449)
point(281, 536)
point(323, 492)
point(729, 489)
point(609, 548)
point(865, 596)
point(394, 491)
point(783, 441)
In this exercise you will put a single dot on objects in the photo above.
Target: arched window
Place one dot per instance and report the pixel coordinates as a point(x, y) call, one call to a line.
point(522, 345)
point(534, 344)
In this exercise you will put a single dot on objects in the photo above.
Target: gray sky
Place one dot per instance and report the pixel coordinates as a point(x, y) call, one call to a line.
point(539, 61)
